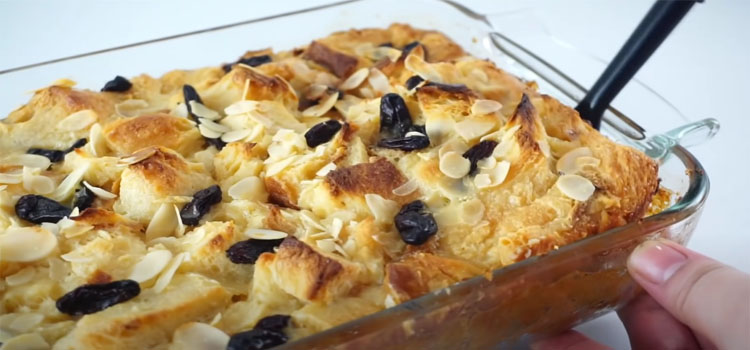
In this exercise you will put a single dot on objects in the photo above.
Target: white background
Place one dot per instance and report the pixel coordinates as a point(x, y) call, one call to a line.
point(702, 69)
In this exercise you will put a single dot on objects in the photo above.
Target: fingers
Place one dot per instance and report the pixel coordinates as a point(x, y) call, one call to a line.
point(707, 296)
point(569, 340)
point(649, 326)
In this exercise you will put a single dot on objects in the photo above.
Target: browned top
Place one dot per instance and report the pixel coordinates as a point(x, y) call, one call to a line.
point(380, 177)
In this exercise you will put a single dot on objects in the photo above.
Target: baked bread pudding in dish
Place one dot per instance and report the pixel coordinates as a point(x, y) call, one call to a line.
point(247, 205)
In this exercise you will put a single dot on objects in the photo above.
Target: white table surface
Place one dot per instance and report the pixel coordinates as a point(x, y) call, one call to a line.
point(702, 69)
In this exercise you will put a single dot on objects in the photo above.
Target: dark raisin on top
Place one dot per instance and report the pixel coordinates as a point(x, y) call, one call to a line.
point(479, 151)
point(275, 323)
point(248, 251)
point(415, 223)
point(250, 61)
point(190, 94)
point(395, 119)
point(256, 339)
point(409, 143)
point(455, 88)
point(412, 82)
point(91, 298)
point(55, 156)
point(83, 198)
point(118, 84)
point(322, 132)
point(38, 209)
point(386, 44)
point(202, 202)
point(410, 46)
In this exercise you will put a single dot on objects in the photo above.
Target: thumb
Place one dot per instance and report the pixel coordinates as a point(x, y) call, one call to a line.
point(709, 297)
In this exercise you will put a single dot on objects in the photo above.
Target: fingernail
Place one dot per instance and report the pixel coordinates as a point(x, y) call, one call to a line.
point(656, 261)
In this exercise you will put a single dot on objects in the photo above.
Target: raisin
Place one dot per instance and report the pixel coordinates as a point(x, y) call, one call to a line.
point(455, 88)
point(248, 251)
point(395, 118)
point(91, 298)
point(410, 143)
point(250, 61)
point(415, 224)
point(386, 44)
point(256, 339)
point(39, 209)
point(410, 46)
point(190, 94)
point(322, 132)
point(479, 151)
point(83, 198)
point(412, 82)
point(275, 323)
point(202, 202)
point(118, 84)
point(55, 156)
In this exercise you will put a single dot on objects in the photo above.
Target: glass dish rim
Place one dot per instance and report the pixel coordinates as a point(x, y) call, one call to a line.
point(690, 202)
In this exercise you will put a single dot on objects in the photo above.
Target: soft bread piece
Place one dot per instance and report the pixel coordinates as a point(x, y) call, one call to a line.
point(131, 134)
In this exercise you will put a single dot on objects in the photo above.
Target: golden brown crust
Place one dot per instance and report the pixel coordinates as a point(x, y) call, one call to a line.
point(380, 177)
point(132, 134)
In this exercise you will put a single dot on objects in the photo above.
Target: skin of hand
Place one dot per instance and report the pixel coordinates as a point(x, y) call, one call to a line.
point(691, 302)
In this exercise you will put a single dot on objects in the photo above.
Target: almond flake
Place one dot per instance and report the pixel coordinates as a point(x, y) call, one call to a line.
point(473, 212)
point(76, 230)
point(277, 167)
point(487, 163)
point(336, 226)
point(138, 156)
point(455, 145)
point(316, 91)
point(10, 179)
point(583, 162)
point(389, 302)
point(471, 129)
point(381, 52)
point(439, 128)
point(78, 120)
point(382, 209)
point(27, 160)
point(54, 228)
point(378, 81)
point(3, 187)
point(163, 223)
point(97, 145)
point(322, 107)
point(354, 80)
point(67, 186)
point(482, 180)
point(58, 269)
point(163, 281)
point(99, 192)
point(544, 147)
point(26, 322)
point(307, 218)
point(180, 225)
point(28, 341)
point(249, 188)
point(199, 336)
point(180, 110)
point(567, 164)
point(326, 169)
point(214, 126)
point(150, 265)
point(406, 188)
point(264, 234)
point(417, 65)
point(37, 184)
point(482, 107)
point(241, 107)
point(26, 244)
point(21, 277)
point(327, 245)
point(575, 187)
point(209, 133)
point(76, 257)
point(454, 165)
point(130, 108)
point(236, 135)
point(414, 133)
point(201, 111)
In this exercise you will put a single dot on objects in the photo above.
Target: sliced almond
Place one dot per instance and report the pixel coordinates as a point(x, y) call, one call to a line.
point(180, 225)
point(417, 65)
point(150, 265)
point(544, 147)
point(99, 192)
point(472, 212)
point(482, 180)
point(322, 107)
point(199, 336)
point(214, 126)
point(471, 129)
point(406, 188)
point(380, 52)
point(51, 227)
point(575, 187)
point(25, 244)
point(180, 110)
point(38, 184)
point(327, 245)
point(21, 277)
point(567, 163)
point(10, 179)
point(241, 107)
point(382, 209)
point(78, 120)
point(487, 163)
point(163, 223)
point(201, 111)
point(456, 145)
point(389, 302)
point(130, 108)
point(75, 230)
point(454, 165)
point(378, 81)
point(414, 133)
point(138, 156)
point(236, 135)
point(265, 234)
point(336, 226)
point(316, 91)
point(166, 276)
point(326, 169)
point(27, 341)
point(278, 166)
point(67, 186)
point(27, 160)
point(439, 128)
point(584, 162)
point(354, 80)
point(26, 322)
point(97, 145)
point(482, 107)
point(208, 132)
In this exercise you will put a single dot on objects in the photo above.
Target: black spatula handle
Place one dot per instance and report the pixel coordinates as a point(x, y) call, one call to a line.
point(650, 33)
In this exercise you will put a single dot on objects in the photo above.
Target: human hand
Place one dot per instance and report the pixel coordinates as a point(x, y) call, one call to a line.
point(693, 302)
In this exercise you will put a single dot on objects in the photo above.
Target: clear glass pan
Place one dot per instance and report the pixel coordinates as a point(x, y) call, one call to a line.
point(537, 296)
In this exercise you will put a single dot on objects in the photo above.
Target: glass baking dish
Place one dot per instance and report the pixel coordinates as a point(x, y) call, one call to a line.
point(538, 296)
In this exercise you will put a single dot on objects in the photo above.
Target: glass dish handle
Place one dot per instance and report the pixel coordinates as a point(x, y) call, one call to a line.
point(691, 134)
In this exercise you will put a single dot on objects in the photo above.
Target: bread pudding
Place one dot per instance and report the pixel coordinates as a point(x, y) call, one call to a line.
point(246, 205)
